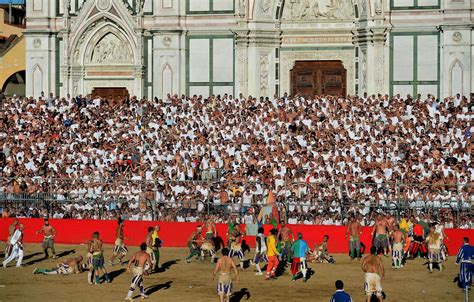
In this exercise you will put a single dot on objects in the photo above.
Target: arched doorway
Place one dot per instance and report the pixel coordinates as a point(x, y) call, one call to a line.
point(15, 84)
point(106, 56)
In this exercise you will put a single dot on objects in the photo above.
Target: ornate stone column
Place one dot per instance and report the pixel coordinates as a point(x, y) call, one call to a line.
point(66, 62)
point(261, 62)
point(380, 83)
point(370, 38)
point(241, 68)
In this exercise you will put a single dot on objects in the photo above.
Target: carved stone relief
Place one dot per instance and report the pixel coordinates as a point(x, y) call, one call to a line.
point(37, 43)
point(264, 74)
point(319, 9)
point(103, 4)
point(111, 50)
point(363, 72)
point(379, 62)
point(242, 8)
point(362, 8)
point(242, 68)
point(75, 58)
point(265, 6)
point(66, 7)
point(378, 7)
point(166, 41)
point(141, 6)
point(457, 37)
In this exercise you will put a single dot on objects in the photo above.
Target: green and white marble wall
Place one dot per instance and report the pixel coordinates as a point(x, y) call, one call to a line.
point(415, 63)
point(155, 47)
point(41, 49)
point(457, 45)
point(210, 64)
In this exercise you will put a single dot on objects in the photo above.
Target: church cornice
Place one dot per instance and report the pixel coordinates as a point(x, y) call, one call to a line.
point(261, 38)
point(34, 32)
point(176, 31)
point(461, 25)
point(369, 35)
point(316, 32)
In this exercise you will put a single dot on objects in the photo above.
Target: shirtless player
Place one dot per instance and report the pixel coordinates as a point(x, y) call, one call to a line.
point(224, 280)
point(440, 229)
point(398, 239)
point(11, 230)
point(97, 251)
point(434, 249)
point(210, 228)
point(374, 271)
point(16, 241)
point(193, 243)
point(381, 237)
point(390, 225)
point(48, 241)
point(139, 261)
point(236, 245)
point(287, 238)
point(354, 230)
point(67, 267)
point(208, 246)
point(119, 247)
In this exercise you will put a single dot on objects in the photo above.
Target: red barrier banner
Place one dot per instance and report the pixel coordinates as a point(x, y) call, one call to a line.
point(175, 234)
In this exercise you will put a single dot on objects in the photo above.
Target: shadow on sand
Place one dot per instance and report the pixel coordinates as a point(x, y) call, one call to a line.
point(115, 274)
point(238, 296)
point(154, 288)
point(65, 253)
point(167, 265)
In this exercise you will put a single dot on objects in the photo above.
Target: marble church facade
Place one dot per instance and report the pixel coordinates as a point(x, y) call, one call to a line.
point(155, 47)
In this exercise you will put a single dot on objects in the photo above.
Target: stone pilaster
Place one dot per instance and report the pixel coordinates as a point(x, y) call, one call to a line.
point(242, 66)
point(370, 37)
point(261, 62)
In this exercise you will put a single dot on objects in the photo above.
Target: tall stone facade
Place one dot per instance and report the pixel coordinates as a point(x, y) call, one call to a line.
point(155, 47)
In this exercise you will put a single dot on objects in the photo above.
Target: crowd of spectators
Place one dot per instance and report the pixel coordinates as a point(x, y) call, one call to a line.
point(180, 157)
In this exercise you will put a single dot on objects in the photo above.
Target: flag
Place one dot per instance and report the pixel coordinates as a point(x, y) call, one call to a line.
point(270, 198)
point(274, 208)
point(269, 208)
point(276, 213)
point(265, 209)
point(261, 214)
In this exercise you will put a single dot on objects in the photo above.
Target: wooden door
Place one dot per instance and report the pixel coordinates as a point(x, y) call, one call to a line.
point(110, 92)
point(310, 78)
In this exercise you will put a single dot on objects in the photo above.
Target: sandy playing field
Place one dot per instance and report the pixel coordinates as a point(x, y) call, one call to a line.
point(179, 281)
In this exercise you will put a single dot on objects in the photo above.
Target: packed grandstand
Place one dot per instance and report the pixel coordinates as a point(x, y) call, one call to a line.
point(179, 158)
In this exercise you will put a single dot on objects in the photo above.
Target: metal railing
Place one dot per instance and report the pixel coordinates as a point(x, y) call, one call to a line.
point(213, 196)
